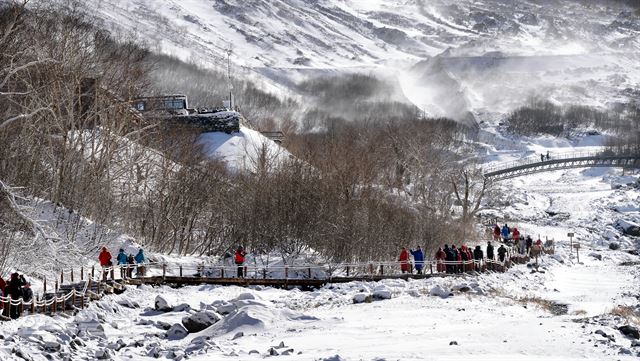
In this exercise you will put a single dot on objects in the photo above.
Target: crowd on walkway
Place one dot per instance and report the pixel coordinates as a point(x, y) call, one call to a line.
point(15, 288)
point(452, 259)
point(126, 263)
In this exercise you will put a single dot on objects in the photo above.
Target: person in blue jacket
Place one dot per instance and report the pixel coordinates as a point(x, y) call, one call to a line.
point(139, 260)
point(123, 262)
point(418, 259)
point(505, 232)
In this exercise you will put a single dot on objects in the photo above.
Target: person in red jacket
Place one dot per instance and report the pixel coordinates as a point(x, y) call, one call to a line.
point(440, 257)
point(240, 254)
point(404, 260)
point(105, 261)
point(516, 236)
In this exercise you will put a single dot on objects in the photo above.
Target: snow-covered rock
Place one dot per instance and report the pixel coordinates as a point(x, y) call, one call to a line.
point(162, 304)
point(629, 228)
point(361, 297)
point(176, 332)
point(440, 292)
point(200, 321)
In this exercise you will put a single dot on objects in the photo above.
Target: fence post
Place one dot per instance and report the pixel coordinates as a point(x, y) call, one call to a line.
point(56, 286)
point(382, 269)
point(246, 275)
point(164, 271)
point(73, 298)
point(264, 273)
point(370, 268)
point(180, 271)
point(54, 306)
point(309, 272)
point(81, 273)
point(21, 305)
point(431, 267)
point(112, 273)
point(45, 285)
point(33, 305)
point(62, 277)
point(222, 272)
point(93, 271)
point(347, 271)
point(64, 303)
point(72, 275)
point(286, 272)
point(82, 301)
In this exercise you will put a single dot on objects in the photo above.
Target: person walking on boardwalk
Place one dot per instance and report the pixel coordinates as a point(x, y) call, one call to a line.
point(505, 233)
point(502, 252)
point(490, 254)
point(105, 261)
point(477, 257)
point(139, 261)
point(239, 260)
point(440, 257)
point(418, 259)
point(122, 262)
point(404, 260)
point(14, 291)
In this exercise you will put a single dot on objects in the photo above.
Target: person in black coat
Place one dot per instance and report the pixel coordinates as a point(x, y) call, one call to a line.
point(478, 255)
point(490, 254)
point(448, 257)
point(14, 290)
point(502, 252)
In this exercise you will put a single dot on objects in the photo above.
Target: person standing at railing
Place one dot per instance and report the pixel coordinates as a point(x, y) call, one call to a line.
point(14, 292)
point(140, 260)
point(542, 157)
point(27, 292)
point(131, 261)
point(240, 256)
point(440, 257)
point(496, 232)
point(457, 259)
point(404, 260)
point(477, 257)
point(505, 232)
point(502, 252)
point(548, 158)
point(490, 254)
point(105, 261)
point(418, 259)
point(122, 262)
point(448, 252)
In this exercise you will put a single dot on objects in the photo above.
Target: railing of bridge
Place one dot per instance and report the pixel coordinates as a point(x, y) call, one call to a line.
point(56, 302)
point(554, 158)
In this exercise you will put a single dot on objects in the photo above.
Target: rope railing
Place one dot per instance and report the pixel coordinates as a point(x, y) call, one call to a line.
point(53, 302)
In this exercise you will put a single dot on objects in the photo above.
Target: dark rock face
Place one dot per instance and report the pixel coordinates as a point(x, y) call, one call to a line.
point(630, 331)
point(199, 321)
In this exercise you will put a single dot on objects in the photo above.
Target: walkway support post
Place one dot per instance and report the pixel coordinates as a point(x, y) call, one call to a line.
point(164, 271)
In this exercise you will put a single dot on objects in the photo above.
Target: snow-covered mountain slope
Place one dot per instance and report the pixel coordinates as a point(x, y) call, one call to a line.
point(490, 50)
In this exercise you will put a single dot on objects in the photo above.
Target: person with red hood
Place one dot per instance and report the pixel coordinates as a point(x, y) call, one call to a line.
point(105, 261)
point(440, 257)
point(516, 235)
point(496, 232)
point(404, 260)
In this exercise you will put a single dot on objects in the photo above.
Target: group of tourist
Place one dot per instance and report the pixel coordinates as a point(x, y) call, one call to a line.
point(126, 262)
point(522, 244)
point(15, 288)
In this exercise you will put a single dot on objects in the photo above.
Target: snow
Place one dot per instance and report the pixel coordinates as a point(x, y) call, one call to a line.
point(246, 150)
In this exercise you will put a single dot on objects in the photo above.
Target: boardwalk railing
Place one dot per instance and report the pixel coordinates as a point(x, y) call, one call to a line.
point(283, 275)
point(534, 163)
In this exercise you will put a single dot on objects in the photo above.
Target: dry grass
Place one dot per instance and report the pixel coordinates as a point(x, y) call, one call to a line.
point(629, 313)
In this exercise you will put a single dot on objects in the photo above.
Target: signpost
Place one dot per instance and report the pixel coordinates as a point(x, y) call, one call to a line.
point(577, 247)
point(570, 235)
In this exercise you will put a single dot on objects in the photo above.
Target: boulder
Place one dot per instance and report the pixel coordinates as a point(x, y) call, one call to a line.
point(629, 228)
point(629, 331)
point(199, 321)
point(102, 355)
point(362, 297)
point(614, 246)
point(161, 304)
point(440, 292)
point(177, 332)
point(382, 293)
point(183, 307)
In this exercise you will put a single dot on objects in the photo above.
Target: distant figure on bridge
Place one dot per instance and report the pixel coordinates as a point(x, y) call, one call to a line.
point(440, 257)
point(505, 232)
point(418, 259)
point(239, 259)
point(490, 254)
point(496, 232)
point(522, 246)
point(131, 261)
point(542, 157)
point(502, 252)
point(548, 158)
point(404, 260)
point(105, 261)
point(140, 260)
point(122, 262)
